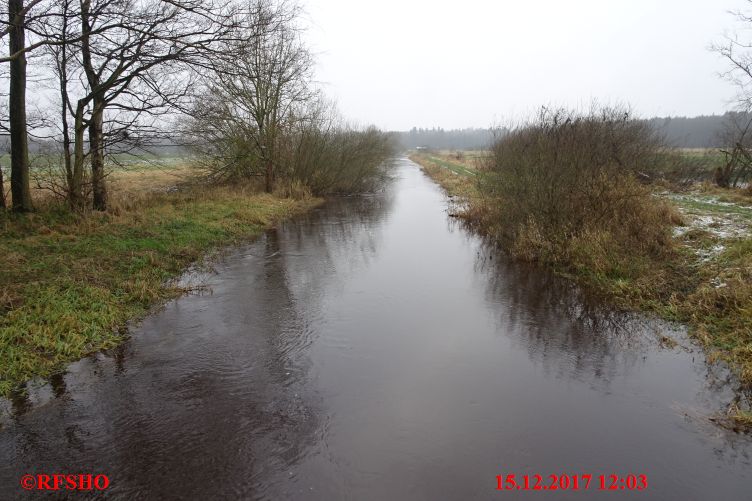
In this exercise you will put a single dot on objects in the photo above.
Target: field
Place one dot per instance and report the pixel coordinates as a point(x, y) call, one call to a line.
point(125, 172)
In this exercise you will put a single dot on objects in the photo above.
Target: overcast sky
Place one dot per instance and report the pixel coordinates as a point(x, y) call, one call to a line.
point(471, 63)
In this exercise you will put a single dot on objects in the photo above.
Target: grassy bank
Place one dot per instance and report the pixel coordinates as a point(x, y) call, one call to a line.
point(70, 283)
point(702, 278)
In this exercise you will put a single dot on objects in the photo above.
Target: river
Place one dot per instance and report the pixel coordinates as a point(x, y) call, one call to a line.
point(375, 349)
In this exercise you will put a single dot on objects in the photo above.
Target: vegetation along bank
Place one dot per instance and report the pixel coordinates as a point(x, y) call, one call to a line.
point(600, 199)
point(98, 222)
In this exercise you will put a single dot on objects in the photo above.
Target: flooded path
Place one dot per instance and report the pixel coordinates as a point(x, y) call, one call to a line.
point(374, 349)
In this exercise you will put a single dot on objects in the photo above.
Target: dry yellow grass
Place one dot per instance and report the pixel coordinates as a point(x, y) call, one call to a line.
point(151, 179)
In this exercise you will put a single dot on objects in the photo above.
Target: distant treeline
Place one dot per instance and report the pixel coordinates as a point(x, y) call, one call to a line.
point(442, 139)
point(681, 132)
point(705, 131)
point(696, 132)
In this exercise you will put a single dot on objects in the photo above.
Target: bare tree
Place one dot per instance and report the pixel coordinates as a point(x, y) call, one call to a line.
point(737, 140)
point(738, 53)
point(2, 189)
point(20, 23)
point(255, 96)
point(4, 127)
point(19, 176)
point(122, 64)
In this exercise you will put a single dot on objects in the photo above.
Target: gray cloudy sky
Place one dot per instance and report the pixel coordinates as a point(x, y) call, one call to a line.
point(471, 63)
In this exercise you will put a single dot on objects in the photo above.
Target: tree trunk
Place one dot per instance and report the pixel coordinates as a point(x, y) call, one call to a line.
point(268, 155)
point(2, 189)
point(96, 145)
point(75, 190)
point(96, 127)
point(269, 176)
point(19, 147)
point(65, 105)
point(68, 159)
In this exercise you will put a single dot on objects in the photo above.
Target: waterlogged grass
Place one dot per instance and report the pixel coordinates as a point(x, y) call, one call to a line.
point(708, 204)
point(703, 280)
point(70, 283)
point(741, 419)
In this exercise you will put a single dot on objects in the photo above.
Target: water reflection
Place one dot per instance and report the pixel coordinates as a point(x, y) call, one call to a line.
point(209, 395)
point(371, 350)
point(564, 331)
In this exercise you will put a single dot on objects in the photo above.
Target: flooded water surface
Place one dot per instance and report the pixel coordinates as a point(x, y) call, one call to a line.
point(374, 349)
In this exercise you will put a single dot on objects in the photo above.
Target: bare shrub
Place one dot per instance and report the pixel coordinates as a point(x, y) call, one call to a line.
point(336, 158)
point(736, 168)
point(262, 117)
point(572, 187)
point(682, 170)
point(317, 156)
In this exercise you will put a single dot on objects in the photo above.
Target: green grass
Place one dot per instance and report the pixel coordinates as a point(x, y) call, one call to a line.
point(708, 204)
point(703, 159)
point(70, 283)
point(741, 419)
point(455, 181)
point(456, 167)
